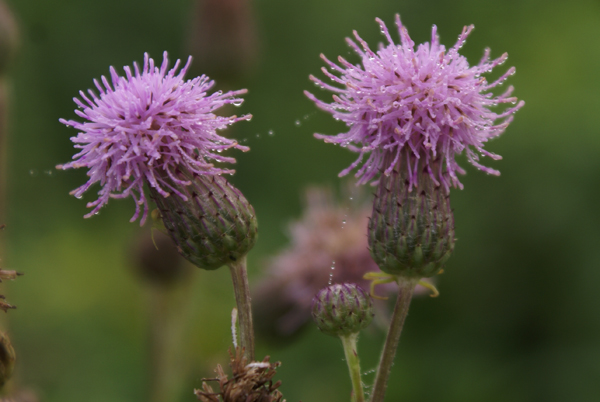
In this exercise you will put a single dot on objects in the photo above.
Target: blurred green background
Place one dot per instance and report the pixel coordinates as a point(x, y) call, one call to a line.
point(518, 318)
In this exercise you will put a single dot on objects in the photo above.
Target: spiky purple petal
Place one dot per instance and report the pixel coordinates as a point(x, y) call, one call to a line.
point(147, 123)
point(426, 105)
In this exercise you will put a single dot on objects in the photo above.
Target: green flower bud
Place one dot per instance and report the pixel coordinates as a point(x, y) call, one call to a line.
point(342, 309)
point(411, 231)
point(213, 226)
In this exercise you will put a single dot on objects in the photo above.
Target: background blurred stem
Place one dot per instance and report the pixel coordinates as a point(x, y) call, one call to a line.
point(353, 361)
point(406, 288)
point(8, 387)
point(3, 153)
point(239, 277)
point(223, 39)
point(9, 42)
point(169, 314)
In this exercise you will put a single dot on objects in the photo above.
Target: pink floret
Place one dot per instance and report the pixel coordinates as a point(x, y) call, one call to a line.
point(144, 126)
point(426, 106)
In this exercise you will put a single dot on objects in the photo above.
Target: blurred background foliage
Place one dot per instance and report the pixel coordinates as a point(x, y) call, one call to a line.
point(518, 317)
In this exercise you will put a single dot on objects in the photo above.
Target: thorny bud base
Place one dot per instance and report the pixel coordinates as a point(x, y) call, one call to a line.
point(210, 221)
point(411, 231)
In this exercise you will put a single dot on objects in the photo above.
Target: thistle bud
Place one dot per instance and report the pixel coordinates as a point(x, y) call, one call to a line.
point(411, 231)
point(342, 309)
point(210, 221)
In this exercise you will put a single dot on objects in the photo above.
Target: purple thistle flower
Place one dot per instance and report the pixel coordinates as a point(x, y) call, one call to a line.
point(426, 105)
point(144, 126)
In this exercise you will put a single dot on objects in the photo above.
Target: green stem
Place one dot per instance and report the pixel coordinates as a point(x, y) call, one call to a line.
point(353, 361)
point(239, 277)
point(405, 292)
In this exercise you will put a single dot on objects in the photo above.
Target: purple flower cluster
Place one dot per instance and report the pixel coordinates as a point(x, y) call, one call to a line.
point(144, 126)
point(424, 106)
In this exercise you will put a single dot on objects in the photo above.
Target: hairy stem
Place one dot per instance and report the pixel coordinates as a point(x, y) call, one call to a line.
point(244, 306)
point(353, 361)
point(406, 288)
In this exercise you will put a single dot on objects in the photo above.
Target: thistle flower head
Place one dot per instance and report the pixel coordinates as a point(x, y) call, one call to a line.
point(143, 126)
point(426, 104)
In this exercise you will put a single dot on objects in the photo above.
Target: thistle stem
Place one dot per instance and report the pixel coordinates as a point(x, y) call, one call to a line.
point(241, 289)
point(349, 343)
point(405, 292)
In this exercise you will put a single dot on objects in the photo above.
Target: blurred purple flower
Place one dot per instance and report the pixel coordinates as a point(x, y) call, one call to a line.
point(146, 125)
point(328, 245)
point(426, 105)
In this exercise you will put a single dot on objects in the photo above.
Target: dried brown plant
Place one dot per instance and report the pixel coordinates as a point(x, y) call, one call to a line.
point(250, 382)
